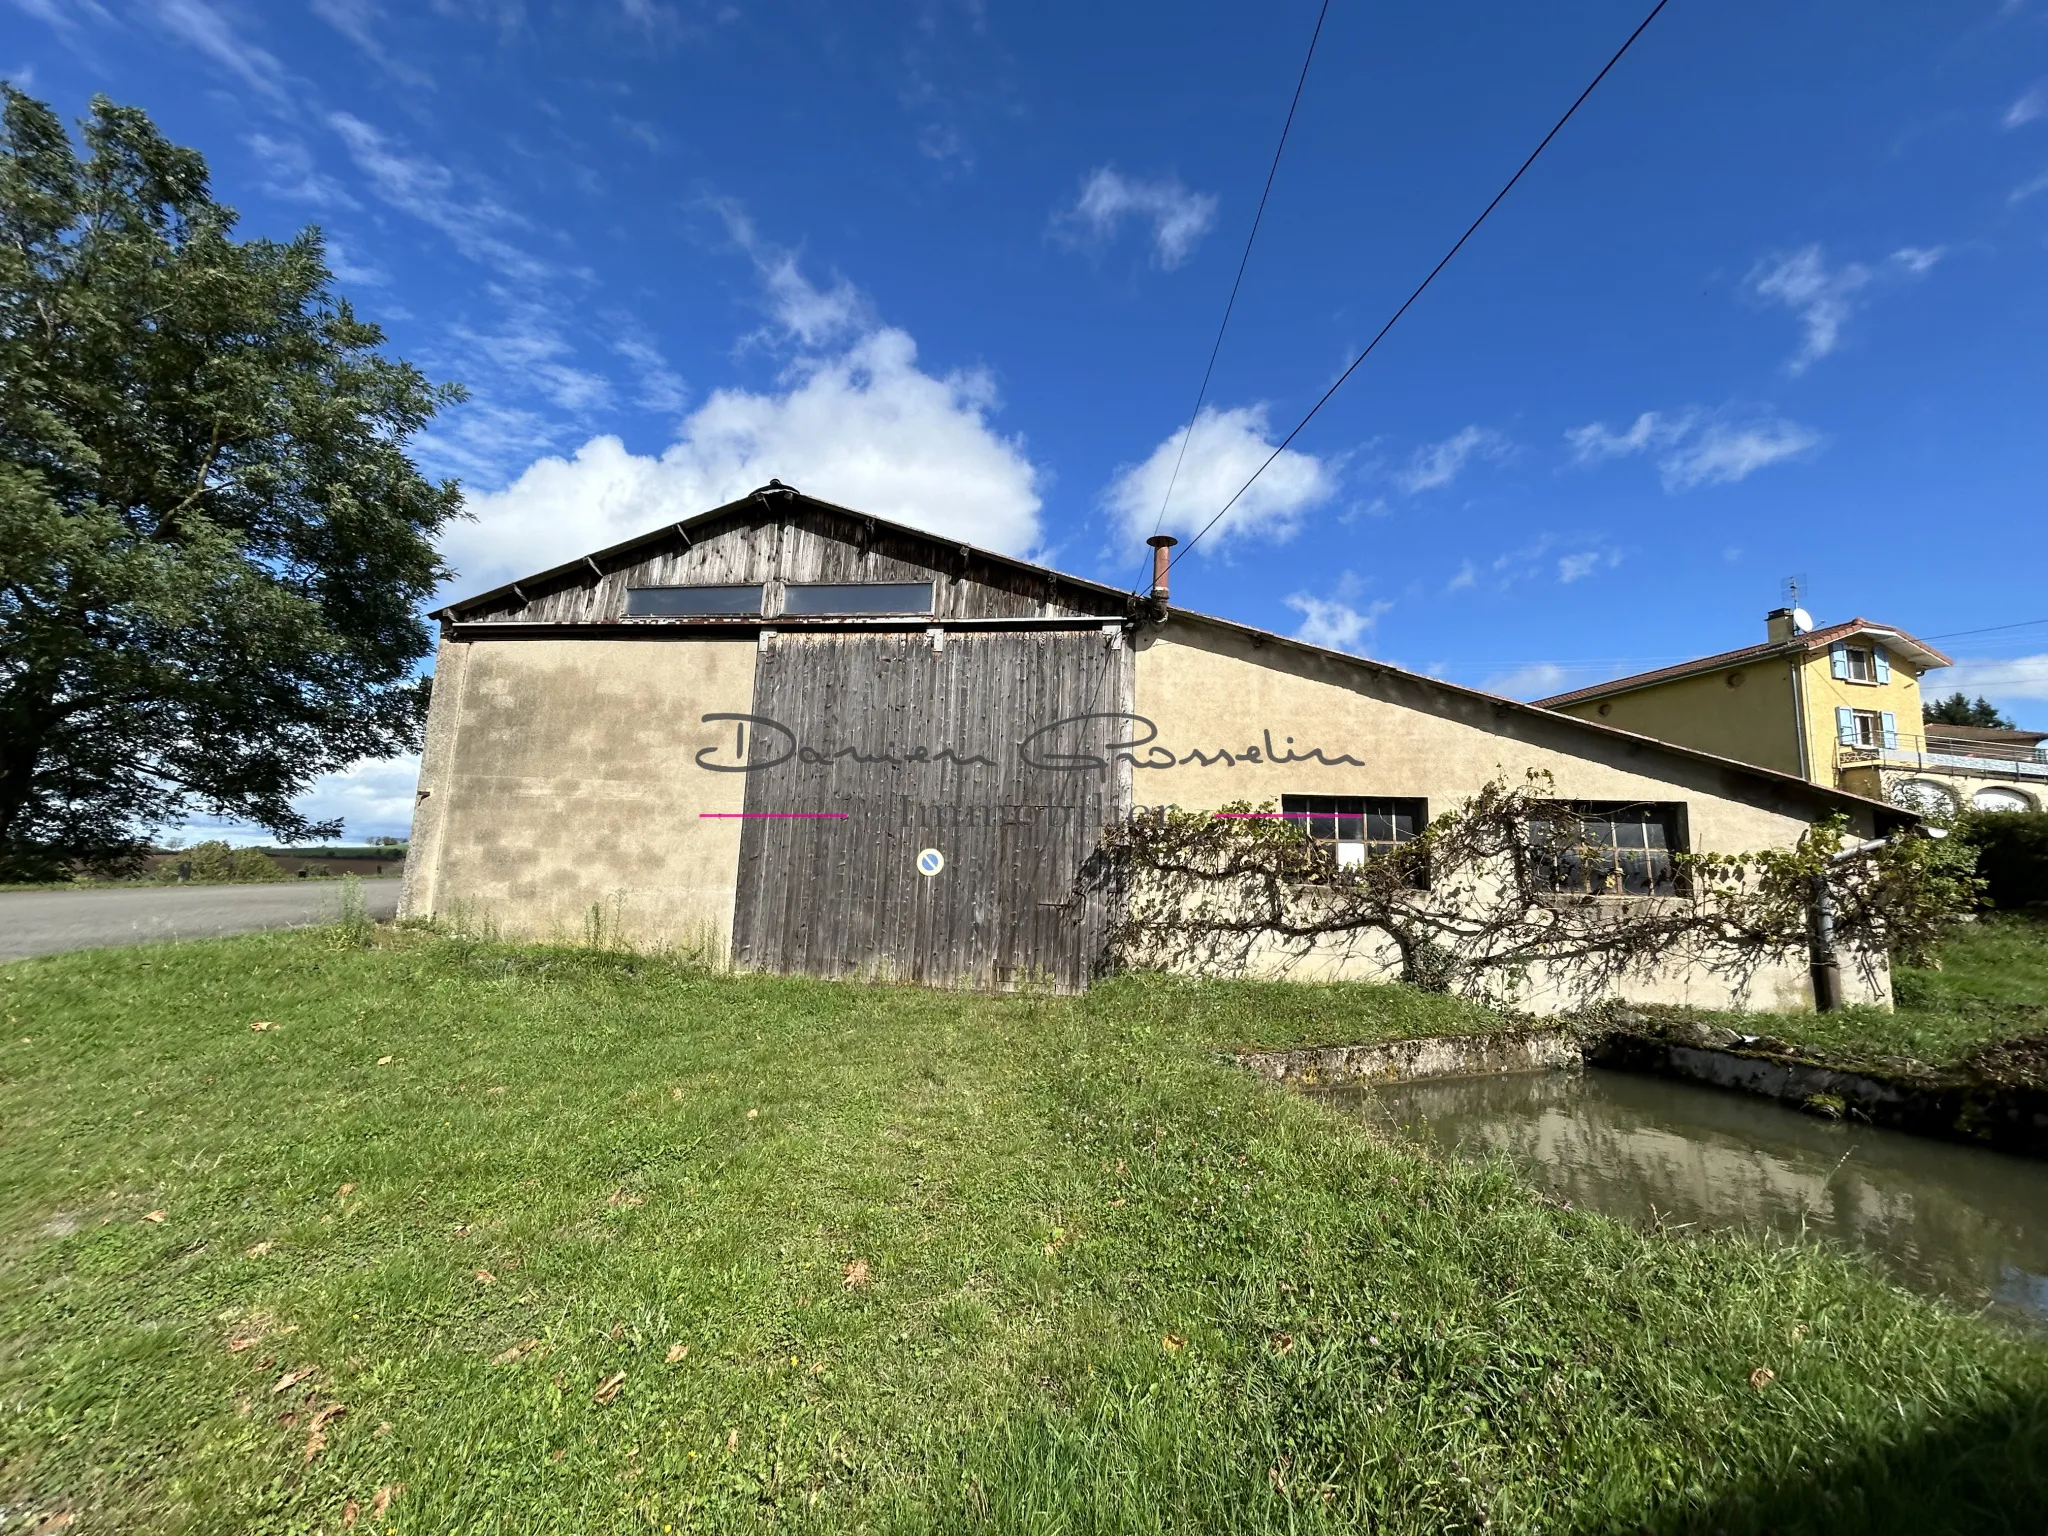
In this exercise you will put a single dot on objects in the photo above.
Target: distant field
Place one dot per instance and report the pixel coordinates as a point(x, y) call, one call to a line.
point(544, 1240)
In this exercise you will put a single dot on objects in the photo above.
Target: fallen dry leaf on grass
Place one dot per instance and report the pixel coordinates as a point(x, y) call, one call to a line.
point(385, 1061)
point(620, 1197)
point(732, 1440)
point(856, 1274)
point(384, 1497)
point(262, 1024)
point(1172, 1343)
point(349, 1511)
point(316, 1430)
point(156, 1216)
point(1283, 1343)
point(292, 1378)
point(609, 1387)
point(676, 1352)
point(674, 1093)
point(753, 1114)
point(485, 1277)
point(515, 1352)
point(344, 1191)
point(1762, 1377)
point(260, 1249)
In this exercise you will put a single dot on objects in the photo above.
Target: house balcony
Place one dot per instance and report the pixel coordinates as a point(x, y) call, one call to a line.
point(1948, 756)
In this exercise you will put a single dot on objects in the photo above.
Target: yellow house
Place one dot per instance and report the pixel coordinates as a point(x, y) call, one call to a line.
point(1838, 706)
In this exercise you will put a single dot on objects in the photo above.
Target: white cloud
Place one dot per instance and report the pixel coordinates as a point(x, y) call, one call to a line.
point(1824, 299)
point(528, 348)
point(1227, 447)
point(1999, 678)
point(1179, 218)
point(372, 799)
point(1438, 464)
point(1726, 452)
point(426, 189)
point(2030, 106)
point(1538, 680)
point(355, 20)
point(1695, 447)
point(289, 173)
point(1333, 624)
point(661, 387)
point(1576, 567)
point(1651, 430)
point(866, 428)
point(1466, 579)
point(347, 269)
point(2027, 189)
point(200, 25)
point(803, 312)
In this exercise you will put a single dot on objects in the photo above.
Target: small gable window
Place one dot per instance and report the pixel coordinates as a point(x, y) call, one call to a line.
point(1860, 663)
point(692, 602)
point(857, 597)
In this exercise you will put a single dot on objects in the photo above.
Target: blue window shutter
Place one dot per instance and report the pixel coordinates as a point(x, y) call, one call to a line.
point(1838, 656)
point(1845, 726)
point(1884, 663)
point(1890, 722)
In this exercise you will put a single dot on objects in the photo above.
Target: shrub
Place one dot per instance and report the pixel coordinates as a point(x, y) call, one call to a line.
point(2012, 855)
point(215, 863)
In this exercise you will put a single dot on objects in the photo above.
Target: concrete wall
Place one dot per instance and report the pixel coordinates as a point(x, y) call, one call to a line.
point(1209, 691)
point(560, 789)
point(1741, 712)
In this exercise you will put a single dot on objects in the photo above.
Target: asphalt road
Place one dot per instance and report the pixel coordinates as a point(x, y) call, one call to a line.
point(48, 922)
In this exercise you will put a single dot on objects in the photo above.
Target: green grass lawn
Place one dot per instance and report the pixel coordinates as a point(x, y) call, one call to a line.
point(1991, 986)
point(589, 1242)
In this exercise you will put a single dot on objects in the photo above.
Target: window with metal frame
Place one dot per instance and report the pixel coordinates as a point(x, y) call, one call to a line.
point(692, 602)
point(808, 598)
point(1356, 827)
point(1609, 848)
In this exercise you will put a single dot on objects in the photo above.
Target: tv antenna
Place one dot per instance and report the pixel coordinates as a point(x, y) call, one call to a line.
point(1792, 590)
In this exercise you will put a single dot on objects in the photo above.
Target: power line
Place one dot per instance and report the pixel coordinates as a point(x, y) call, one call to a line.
point(1243, 261)
point(1957, 634)
point(1556, 128)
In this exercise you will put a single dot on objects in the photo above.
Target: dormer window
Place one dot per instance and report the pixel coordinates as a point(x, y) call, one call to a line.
point(1859, 663)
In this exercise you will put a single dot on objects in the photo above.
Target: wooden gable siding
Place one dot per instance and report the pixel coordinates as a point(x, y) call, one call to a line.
point(809, 544)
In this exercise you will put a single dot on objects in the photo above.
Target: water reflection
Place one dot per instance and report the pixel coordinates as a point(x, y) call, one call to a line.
point(1965, 1224)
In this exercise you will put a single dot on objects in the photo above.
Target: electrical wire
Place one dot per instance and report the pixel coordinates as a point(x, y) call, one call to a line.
point(1243, 261)
point(1957, 634)
point(1409, 302)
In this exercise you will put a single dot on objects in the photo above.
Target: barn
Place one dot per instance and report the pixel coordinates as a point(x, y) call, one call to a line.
point(814, 740)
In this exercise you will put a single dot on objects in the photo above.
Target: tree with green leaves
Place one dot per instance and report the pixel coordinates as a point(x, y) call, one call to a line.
point(213, 545)
point(1958, 709)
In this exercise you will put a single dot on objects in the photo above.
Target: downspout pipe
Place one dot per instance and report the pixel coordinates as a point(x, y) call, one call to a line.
point(1826, 966)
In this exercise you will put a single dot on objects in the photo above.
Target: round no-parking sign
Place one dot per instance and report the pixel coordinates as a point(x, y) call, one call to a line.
point(930, 861)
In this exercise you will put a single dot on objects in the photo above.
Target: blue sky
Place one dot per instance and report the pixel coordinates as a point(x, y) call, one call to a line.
point(1773, 304)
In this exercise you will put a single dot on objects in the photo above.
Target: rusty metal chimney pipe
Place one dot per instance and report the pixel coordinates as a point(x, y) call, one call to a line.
point(1161, 543)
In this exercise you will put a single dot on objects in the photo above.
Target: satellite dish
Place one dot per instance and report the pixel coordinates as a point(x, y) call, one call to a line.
point(1802, 621)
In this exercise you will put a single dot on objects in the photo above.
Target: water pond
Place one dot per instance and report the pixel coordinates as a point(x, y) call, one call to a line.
point(1967, 1225)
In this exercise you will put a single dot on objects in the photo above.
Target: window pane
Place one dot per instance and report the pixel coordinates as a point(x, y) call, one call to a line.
point(679, 602)
point(1379, 825)
point(858, 597)
point(1350, 853)
point(1349, 829)
point(1322, 825)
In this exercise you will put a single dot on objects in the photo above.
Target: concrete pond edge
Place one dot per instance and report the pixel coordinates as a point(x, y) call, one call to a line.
point(1956, 1106)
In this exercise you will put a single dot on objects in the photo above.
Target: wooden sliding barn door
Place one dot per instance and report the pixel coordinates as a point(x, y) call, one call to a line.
point(926, 748)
